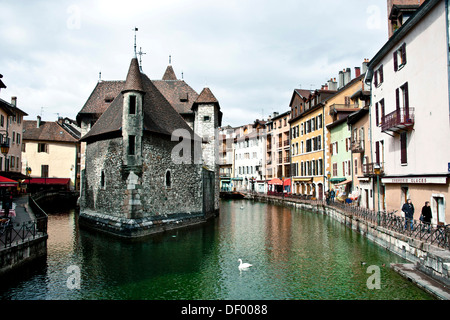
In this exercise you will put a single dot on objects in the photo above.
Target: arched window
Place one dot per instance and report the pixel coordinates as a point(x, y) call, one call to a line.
point(168, 179)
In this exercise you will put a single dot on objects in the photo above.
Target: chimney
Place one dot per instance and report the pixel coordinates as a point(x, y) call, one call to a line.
point(364, 65)
point(341, 79)
point(38, 121)
point(14, 101)
point(357, 72)
point(347, 76)
point(332, 84)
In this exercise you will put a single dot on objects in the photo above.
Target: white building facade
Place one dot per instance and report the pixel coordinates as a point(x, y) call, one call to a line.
point(410, 113)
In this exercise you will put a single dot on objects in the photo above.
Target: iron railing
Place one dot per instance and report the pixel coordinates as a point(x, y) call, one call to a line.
point(403, 117)
point(438, 235)
point(15, 233)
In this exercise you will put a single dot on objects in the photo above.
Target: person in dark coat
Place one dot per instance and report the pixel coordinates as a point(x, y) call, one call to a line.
point(408, 209)
point(426, 215)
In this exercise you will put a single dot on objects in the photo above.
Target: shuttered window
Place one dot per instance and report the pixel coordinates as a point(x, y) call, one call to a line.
point(377, 152)
point(376, 115)
point(403, 148)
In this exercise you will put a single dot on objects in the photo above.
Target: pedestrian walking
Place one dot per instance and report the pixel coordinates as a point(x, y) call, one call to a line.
point(332, 195)
point(426, 215)
point(408, 209)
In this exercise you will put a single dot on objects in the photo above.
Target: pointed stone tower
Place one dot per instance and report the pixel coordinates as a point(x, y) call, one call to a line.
point(132, 132)
point(207, 120)
point(133, 117)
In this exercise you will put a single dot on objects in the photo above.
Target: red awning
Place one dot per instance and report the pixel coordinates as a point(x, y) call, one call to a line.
point(287, 182)
point(276, 181)
point(5, 182)
point(58, 181)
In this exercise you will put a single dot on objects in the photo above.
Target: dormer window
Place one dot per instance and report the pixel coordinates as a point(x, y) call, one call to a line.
point(109, 99)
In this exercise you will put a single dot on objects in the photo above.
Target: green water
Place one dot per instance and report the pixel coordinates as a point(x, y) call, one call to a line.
point(295, 255)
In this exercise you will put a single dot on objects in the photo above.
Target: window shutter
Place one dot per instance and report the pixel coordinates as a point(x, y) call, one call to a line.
point(395, 61)
point(377, 152)
point(397, 103)
point(343, 168)
point(405, 88)
point(404, 155)
point(382, 111)
point(376, 114)
point(337, 147)
point(381, 74)
point(356, 166)
point(376, 78)
point(404, 53)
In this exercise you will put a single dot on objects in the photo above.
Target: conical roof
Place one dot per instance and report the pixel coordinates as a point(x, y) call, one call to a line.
point(169, 74)
point(206, 96)
point(134, 79)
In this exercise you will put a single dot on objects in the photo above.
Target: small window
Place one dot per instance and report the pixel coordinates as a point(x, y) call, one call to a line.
point(44, 171)
point(131, 145)
point(42, 147)
point(206, 118)
point(102, 179)
point(400, 57)
point(132, 104)
point(168, 179)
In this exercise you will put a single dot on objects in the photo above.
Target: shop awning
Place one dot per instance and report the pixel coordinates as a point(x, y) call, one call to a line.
point(337, 180)
point(276, 182)
point(57, 181)
point(302, 179)
point(5, 182)
point(345, 182)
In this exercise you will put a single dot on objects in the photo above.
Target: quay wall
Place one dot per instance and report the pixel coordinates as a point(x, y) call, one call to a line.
point(430, 259)
point(20, 253)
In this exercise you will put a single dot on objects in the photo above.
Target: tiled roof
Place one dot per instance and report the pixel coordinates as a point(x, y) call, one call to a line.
point(47, 131)
point(102, 96)
point(180, 95)
point(206, 96)
point(134, 79)
point(169, 74)
point(159, 115)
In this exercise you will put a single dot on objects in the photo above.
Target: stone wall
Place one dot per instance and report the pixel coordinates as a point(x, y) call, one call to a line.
point(135, 201)
point(430, 259)
point(22, 252)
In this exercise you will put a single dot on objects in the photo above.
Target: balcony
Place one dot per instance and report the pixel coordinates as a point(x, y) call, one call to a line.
point(335, 108)
point(399, 120)
point(357, 146)
point(286, 143)
point(369, 169)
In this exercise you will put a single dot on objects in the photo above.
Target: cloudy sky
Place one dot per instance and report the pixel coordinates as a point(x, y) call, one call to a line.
point(251, 54)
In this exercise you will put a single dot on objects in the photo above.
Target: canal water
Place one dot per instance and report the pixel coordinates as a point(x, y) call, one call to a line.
point(295, 254)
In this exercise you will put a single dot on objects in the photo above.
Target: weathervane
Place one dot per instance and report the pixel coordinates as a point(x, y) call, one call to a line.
point(140, 53)
point(135, 53)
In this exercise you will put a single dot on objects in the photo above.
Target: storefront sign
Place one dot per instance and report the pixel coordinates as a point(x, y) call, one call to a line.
point(416, 180)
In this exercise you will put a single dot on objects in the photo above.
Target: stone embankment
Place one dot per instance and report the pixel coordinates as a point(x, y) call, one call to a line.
point(430, 264)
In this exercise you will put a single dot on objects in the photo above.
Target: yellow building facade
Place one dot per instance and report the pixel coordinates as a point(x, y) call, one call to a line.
point(307, 142)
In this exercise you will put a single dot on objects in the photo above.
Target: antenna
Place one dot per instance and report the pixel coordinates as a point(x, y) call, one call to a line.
point(135, 29)
point(140, 53)
point(42, 111)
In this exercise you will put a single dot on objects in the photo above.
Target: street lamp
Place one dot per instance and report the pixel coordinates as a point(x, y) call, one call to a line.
point(377, 171)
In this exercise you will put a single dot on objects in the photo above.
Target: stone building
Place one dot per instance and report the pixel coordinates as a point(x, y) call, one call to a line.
point(150, 156)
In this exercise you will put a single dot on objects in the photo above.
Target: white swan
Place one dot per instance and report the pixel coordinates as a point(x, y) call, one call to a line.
point(243, 265)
